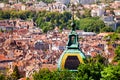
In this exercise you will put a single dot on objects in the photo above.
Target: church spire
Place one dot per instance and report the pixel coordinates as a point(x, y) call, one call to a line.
point(73, 15)
point(72, 56)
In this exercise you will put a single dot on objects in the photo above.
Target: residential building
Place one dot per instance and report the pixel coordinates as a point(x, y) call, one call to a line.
point(117, 20)
point(109, 20)
point(63, 1)
point(115, 4)
point(2, 5)
point(87, 1)
point(117, 12)
point(60, 7)
point(40, 6)
point(97, 11)
point(7, 25)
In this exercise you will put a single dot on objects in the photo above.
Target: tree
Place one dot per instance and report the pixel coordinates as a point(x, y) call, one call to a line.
point(91, 70)
point(87, 13)
point(6, 14)
point(98, 59)
point(118, 29)
point(117, 54)
point(91, 24)
point(2, 77)
point(43, 74)
point(48, 20)
point(94, 69)
point(107, 29)
point(114, 37)
point(112, 72)
point(5, 1)
point(15, 75)
point(14, 14)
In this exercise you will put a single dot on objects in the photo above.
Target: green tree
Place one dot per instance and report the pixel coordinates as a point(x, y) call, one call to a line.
point(5, 1)
point(1, 12)
point(107, 29)
point(87, 13)
point(43, 74)
point(112, 72)
point(118, 29)
point(48, 20)
point(99, 59)
point(2, 77)
point(6, 14)
point(91, 70)
point(114, 37)
point(15, 75)
point(14, 14)
point(90, 24)
point(117, 54)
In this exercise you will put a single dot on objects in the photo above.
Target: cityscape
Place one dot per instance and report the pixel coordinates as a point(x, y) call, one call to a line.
point(59, 39)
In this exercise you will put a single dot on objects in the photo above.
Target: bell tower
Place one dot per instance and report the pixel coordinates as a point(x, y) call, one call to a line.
point(72, 56)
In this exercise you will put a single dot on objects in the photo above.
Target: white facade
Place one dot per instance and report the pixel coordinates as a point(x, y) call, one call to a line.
point(60, 7)
point(98, 11)
point(75, 1)
point(69, 1)
point(23, 7)
point(64, 1)
point(93, 12)
point(117, 12)
point(87, 1)
point(2, 5)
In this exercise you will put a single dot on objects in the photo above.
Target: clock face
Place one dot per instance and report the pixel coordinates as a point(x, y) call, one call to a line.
point(72, 63)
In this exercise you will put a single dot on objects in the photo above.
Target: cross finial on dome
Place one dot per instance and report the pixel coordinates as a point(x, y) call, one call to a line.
point(73, 24)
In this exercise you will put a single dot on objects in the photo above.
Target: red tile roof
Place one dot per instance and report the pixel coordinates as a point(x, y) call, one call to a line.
point(2, 57)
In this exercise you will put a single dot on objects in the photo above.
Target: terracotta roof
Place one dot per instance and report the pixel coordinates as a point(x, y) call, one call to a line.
point(104, 34)
point(49, 66)
point(2, 57)
point(22, 31)
point(20, 63)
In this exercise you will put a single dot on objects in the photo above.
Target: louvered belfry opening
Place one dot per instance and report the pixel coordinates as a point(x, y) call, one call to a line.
point(72, 63)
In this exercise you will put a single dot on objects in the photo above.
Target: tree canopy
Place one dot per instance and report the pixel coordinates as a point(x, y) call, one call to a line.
point(48, 20)
point(91, 70)
point(90, 24)
point(117, 52)
point(111, 73)
point(107, 29)
point(12, 14)
point(2, 77)
point(118, 29)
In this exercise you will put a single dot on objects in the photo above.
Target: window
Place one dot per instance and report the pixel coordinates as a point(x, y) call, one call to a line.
point(72, 63)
